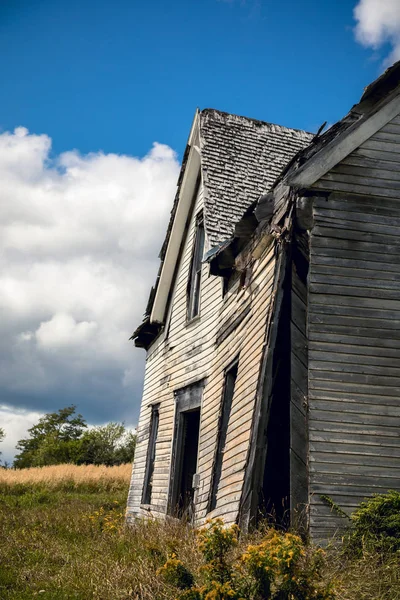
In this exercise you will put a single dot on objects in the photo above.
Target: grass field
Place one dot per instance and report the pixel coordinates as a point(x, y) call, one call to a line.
point(63, 537)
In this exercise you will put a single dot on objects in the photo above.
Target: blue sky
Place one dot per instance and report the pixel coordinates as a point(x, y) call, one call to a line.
point(96, 103)
point(118, 75)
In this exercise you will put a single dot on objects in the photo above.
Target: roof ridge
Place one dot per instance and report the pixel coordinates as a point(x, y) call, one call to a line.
point(252, 119)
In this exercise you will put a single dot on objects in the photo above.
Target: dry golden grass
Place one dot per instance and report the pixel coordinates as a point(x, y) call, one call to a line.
point(372, 576)
point(55, 475)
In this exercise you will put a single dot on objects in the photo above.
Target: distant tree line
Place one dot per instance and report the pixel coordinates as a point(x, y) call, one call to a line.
point(64, 437)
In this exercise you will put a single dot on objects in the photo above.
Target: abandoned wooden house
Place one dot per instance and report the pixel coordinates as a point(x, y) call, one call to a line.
point(273, 330)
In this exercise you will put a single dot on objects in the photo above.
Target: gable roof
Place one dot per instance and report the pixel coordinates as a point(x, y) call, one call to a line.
point(240, 159)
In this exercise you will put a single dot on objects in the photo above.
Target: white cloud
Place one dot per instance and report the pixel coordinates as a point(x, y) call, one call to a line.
point(15, 423)
point(378, 23)
point(79, 239)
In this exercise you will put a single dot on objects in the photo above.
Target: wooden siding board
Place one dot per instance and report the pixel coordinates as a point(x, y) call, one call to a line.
point(354, 332)
point(180, 356)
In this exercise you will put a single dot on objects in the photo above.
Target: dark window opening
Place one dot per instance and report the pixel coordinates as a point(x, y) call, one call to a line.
point(195, 271)
point(151, 454)
point(185, 451)
point(229, 389)
point(275, 496)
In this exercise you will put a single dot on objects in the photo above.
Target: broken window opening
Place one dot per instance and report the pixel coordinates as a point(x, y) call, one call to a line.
point(195, 270)
point(185, 451)
point(151, 454)
point(227, 398)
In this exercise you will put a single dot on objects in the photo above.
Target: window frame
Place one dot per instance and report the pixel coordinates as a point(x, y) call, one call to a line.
point(187, 399)
point(195, 274)
point(151, 455)
point(223, 427)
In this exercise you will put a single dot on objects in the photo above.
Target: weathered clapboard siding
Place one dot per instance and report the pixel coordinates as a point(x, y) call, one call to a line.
point(354, 332)
point(371, 170)
point(191, 352)
point(182, 354)
point(246, 342)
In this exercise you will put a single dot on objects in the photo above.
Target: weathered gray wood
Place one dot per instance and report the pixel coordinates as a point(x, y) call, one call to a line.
point(357, 273)
point(329, 245)
point(341, 488)
point(392, 127)
point(353, 227)
point(376, 154)
point(353, 240)
point(344, 367)
point(356, 280)
point(350, 428)
point(354, 339)
point(299, 313)
point(363, 261)
point(299, 345)
point(365, 439)
point(372, 327)
point(376, 315)
point(349, 139)
point(354, 402)
point(328, 184)
point(382, 146)
point(378, 342)
point(345, 218)
point(354, 173)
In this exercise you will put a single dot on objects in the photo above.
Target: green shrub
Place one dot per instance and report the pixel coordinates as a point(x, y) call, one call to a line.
point(375, 525)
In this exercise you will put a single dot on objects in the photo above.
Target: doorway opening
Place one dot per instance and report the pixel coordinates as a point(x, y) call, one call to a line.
point(189, 448)
point(185, 451)
point(275, 492)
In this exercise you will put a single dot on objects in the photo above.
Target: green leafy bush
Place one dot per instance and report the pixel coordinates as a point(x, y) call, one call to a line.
point(376, 524)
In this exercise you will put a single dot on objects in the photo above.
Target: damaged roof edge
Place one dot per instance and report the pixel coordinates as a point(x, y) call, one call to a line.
point(151, 325)
point(379, 104)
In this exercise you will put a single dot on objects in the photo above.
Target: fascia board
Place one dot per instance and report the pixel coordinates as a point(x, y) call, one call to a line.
point(337, 150)
point(177, 232)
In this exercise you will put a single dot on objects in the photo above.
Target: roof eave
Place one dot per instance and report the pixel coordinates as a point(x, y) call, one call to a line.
point(186, 192)
point(364, 120)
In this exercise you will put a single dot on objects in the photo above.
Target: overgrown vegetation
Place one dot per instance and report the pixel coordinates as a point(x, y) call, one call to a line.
point(279, 566)
point(376, 525)
point(2, 436)
point(63, 537)
point(62, 437)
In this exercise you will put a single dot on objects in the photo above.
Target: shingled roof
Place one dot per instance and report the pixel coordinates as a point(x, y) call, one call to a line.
point(240, 160)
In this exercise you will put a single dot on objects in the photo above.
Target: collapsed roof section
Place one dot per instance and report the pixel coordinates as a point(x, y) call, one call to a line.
point(378, 105)
point(238, 159)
